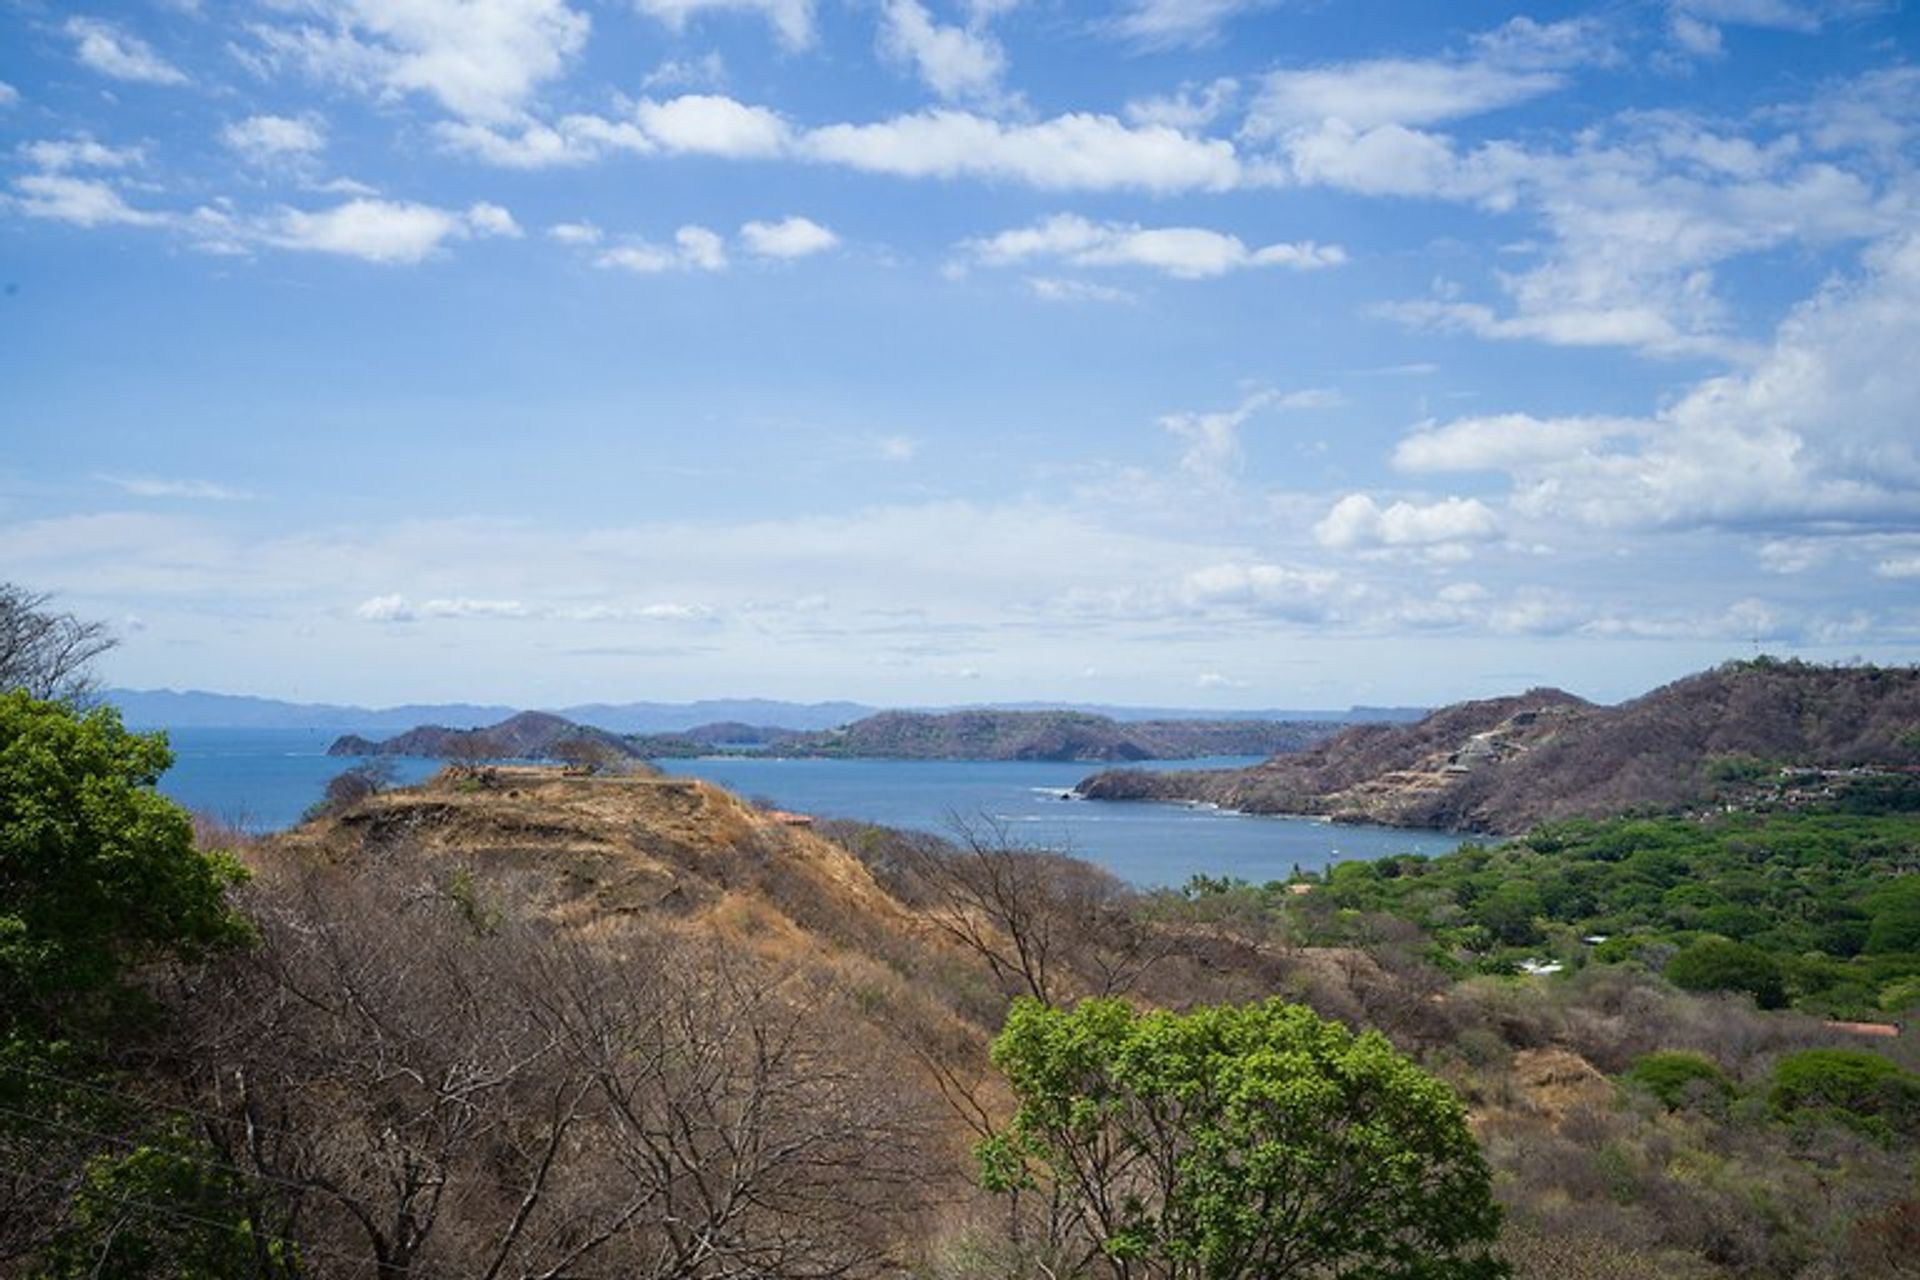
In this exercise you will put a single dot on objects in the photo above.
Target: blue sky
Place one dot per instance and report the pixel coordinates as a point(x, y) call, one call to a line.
point(1192, 352)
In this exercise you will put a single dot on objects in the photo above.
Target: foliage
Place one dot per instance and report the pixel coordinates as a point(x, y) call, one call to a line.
point(1853, 1086)
point(1720, 964)
point(1676, 1077)
point(163, 1210)
point(1231, 1141)
point(1824, 906)
point(98, 871)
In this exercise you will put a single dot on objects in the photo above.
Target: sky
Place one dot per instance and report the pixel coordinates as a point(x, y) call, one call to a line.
point(1209, 353)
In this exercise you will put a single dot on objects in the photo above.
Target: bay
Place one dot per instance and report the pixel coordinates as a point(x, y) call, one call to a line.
point(1144, 843)
point(264, 779)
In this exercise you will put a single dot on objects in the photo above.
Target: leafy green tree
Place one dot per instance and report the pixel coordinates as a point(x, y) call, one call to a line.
point(98, 876)
point(1676, 1077)
point(98, 871)
point(1252, 1141)
point(1861, 1089)
point(1720, 964)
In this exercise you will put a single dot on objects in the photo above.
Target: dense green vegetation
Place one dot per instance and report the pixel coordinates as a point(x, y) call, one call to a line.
point(1817, 910)
point(1252, 1141)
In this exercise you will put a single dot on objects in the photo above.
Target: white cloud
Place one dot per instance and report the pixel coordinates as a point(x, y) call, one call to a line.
point(1216, 680)
point(792, 19)
point(1212, 440)
point(387, 608)
point(492, 220)
point(789, 238)
point(1388, 91)
point(8, 94)
point(1058, 289)
point(573, 140)
point(480, 59)
point(157, 487)
point(1901, 567)
point(695, 248)
point(575, 233)
point(108, 49)
point(1507, 442)
point(80, 153)
point(266, 139)
point(1071, 152)
point(1188, 253)
point(954, 62)
point(1357, 522)
point(1190, 109)
point(708, 124)
point(382, 231)
point(709, 71)
point(1818, 430)
point(1164, 23)
point(81, 202)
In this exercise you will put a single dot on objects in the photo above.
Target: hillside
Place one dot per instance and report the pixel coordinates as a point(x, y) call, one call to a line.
point(1502, 765)
point(1050, 735)
point(531, 735)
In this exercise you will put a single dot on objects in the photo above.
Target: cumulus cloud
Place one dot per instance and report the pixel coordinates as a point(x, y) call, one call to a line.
point(791, 19)
point(8, 94)
point(1079, 151)
point(1188, 253)
point(119, 54)
point(694, 248)
point(55, 156)
point(709, 124)
point(1358, 523)
point(575, 233)
point(1818, 430)
point(1192, 107)
point(480, 59)
point(788, 238)
point(266, 139)
point(954, 62)
point(81, 202)
point(381, 231)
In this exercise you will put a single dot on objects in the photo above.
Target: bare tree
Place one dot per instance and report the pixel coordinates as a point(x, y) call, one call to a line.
point(524, 1103)
point(1043, 921)
point(48, 654)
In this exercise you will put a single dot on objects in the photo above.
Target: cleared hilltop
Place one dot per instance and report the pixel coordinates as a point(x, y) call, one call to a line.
point(1501, 765)
point(897, 735)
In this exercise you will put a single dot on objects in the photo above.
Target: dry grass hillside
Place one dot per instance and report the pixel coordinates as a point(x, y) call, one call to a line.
point(516, 1022)
point(1503, 765)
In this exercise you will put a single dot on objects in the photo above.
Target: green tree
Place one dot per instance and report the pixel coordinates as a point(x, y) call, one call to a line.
point(1238, 1141)
point(1858, 1088)
point(1675, 1077)
point(98, 871)
point(1720, 964)
point(98, 876)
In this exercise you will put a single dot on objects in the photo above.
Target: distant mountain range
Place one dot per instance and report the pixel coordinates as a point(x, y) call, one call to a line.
point(193, 709)
point(889, 735)
point(1748, 734)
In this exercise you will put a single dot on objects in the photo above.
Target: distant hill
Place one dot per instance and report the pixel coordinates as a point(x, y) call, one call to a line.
point(195, 709)
point(1502, 765)
point(1049, 735)
point(531, 735)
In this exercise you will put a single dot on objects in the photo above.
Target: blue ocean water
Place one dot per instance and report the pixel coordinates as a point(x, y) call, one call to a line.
point(263, 779)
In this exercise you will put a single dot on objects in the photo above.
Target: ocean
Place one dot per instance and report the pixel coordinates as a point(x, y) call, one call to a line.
point(264, 779)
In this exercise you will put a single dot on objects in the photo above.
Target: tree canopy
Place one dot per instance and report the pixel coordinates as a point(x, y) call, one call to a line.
point(98, 871)
point(1239, 1141)
point(46, 654)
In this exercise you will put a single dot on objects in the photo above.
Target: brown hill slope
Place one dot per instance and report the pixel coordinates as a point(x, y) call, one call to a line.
point(1505, 764)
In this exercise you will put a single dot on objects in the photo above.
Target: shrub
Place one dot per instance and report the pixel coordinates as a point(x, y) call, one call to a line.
point(1675, 1077)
